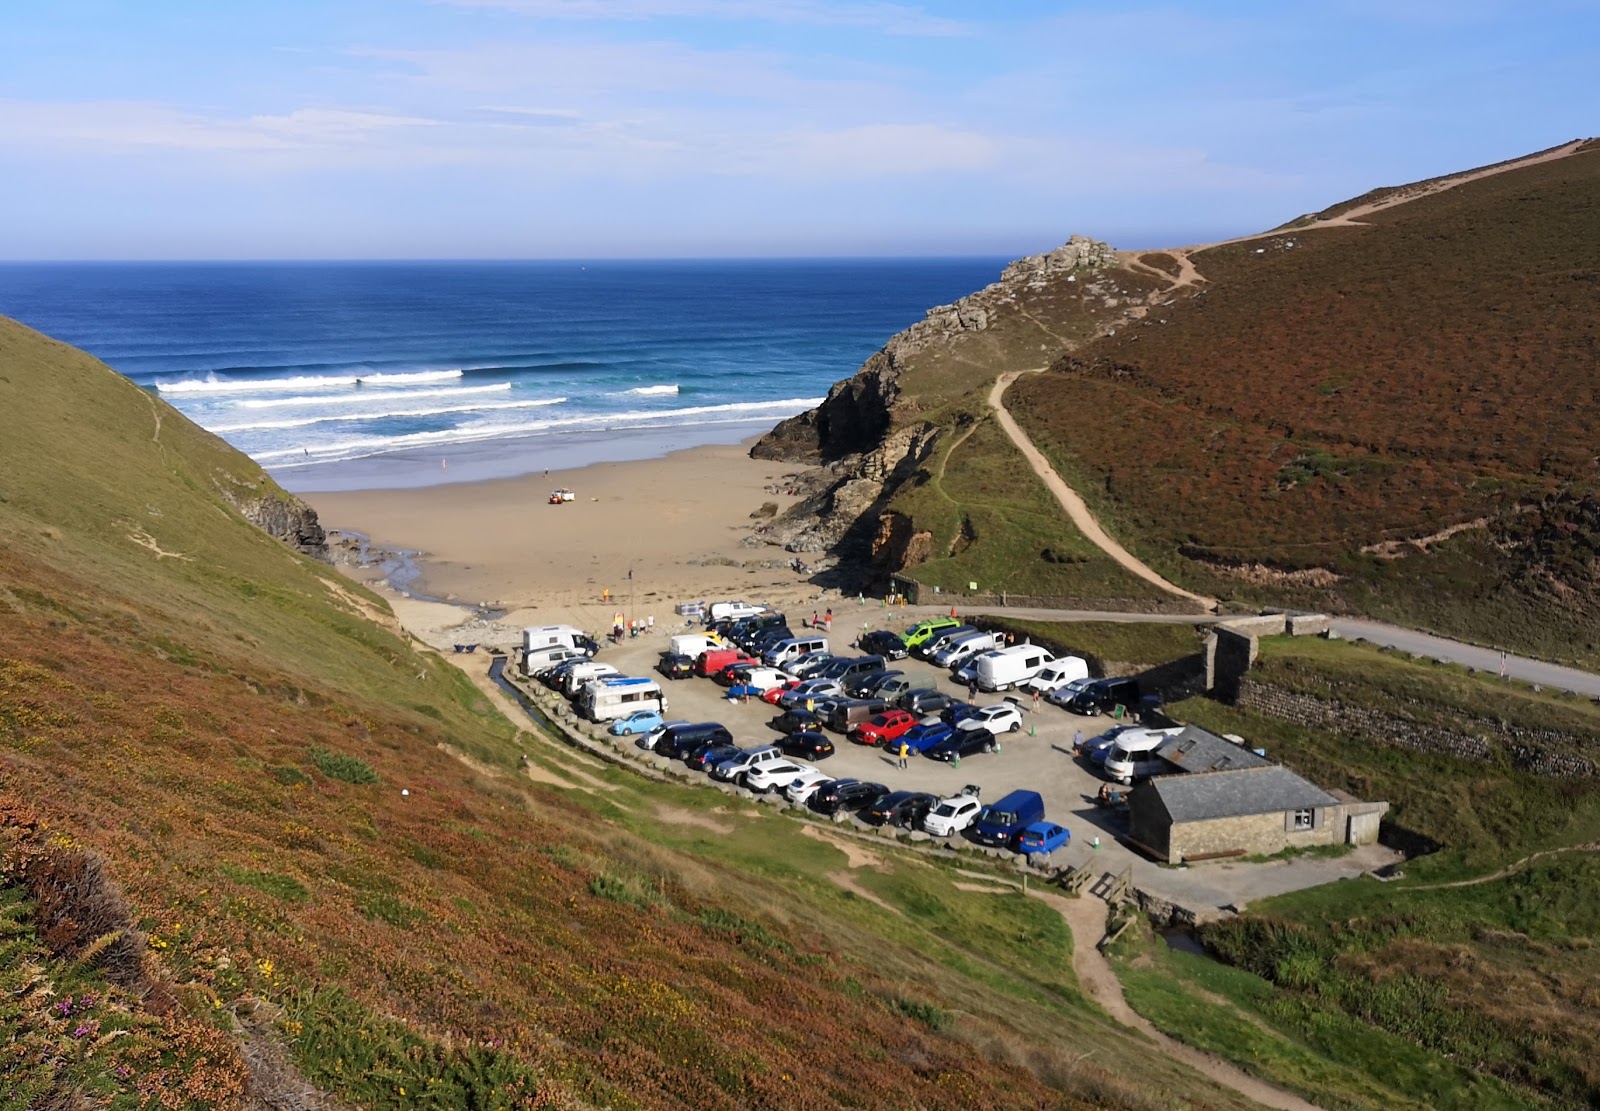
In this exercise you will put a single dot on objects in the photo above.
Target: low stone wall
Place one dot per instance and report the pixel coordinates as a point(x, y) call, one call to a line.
point(1546, 752)
point(919, 594)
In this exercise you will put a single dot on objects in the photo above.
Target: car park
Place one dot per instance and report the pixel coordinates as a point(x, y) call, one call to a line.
point(845, 794)
point(953, 814)
point(794, 648)
point(1000, 717)
point(900, 808)
point(675, 666)
point(1132, 755)
point(772, 776)
point(1041, 839)
point(999, 824)
point(966, 671)
point(808, 744)
point(960, 743)
point(883, 727)
point(772, 694)
point(883, 643)
point(640, 721)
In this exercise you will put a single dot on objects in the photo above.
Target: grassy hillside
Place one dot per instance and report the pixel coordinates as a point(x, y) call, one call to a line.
point(253, 841)
point(1330, 394)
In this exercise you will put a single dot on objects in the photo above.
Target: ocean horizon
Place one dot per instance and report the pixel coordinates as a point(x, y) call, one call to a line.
point(357, 375)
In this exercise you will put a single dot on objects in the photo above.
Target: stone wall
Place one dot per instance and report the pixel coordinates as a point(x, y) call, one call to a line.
point(1547, 752)
point(920, 594)
point(1252, 834)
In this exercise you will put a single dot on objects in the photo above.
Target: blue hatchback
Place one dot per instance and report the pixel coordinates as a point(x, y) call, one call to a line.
point(920, 738)
point(1042, 839)
point(640, 721)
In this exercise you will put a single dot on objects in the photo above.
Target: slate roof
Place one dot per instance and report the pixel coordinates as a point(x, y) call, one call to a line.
point(1200, 750)
point(1231, 794)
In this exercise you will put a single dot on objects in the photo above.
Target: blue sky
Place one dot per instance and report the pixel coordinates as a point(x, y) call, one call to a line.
point(678, 128)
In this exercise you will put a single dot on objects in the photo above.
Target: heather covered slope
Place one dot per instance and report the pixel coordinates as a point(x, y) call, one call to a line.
point(211, 886)
point(1333, 399)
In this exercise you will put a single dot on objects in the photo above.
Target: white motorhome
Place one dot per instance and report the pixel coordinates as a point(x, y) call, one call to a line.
point(692, 644)
point(1133, 754)
point(538, 662)
point(583, 674)
point(1057, 673)
point(610, 698)
point(1004, 669)
point(793, 648)
point(538, 637)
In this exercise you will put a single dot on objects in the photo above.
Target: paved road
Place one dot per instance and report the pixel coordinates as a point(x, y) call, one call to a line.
point(1470, 655)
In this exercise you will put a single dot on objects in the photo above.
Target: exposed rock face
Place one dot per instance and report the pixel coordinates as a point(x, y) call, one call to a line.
point(1078, 253)
point(284, 516)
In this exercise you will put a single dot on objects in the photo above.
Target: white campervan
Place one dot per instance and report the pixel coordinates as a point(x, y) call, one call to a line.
point(538, 662)
point(616, 697)
point(583, 674)
point(692, 644)
point(793, 648)
point(538, 637)
point(1057, 673)
point(730, 611)
point(1002, 670)
point(1133, 754)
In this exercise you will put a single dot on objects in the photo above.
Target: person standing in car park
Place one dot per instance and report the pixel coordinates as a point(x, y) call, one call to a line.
point(905, 753)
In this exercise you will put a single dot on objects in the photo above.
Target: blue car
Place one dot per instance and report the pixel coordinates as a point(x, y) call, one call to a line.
point(957, 712)
point(1042, 839)
point(745, 690)
point(920, 738)
point(640, 721)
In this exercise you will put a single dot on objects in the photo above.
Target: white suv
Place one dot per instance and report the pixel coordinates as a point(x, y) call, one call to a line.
point(803, 785)
point(952, 815)
point(736, 767)
point(1001, 717)
point(769, 777)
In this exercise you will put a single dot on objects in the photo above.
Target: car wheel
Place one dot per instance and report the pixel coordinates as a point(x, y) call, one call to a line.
point(742, 780)
point(990, 746)
point(1016, 725)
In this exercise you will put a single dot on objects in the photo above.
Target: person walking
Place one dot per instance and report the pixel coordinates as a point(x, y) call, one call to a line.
point(1035, 698)
point(972, 690)
point(905, 753)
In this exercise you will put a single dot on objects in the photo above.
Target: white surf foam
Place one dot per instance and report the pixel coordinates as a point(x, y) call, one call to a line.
point(361, 397)
point(431, 411)
point(212, 384)
point(650, 391)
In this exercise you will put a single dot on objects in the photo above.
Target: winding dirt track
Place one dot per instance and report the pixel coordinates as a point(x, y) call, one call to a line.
point(1086, 916)
point(1076, 510)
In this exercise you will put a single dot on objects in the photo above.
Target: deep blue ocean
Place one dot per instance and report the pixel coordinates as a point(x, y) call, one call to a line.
point(382, 373)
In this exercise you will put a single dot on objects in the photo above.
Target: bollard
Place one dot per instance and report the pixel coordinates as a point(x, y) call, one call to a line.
point(1095, 844)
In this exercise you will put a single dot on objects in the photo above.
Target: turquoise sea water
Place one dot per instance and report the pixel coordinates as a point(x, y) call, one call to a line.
point(341, 375)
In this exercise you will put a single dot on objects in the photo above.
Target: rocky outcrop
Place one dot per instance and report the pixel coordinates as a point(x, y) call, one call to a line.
point(282, 515)
point(1078, 253)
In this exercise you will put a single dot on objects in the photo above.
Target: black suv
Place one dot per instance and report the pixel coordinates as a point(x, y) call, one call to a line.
point(1104, 695)
point(680, 740)
point(901, 808)
point(845, 794)
point(883, 643)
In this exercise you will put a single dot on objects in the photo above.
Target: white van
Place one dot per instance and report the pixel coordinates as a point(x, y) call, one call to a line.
point(538, 637)
point(538, 662)
point(1133, 754)
point(793, 648)
point(1002, 670)
point(730, 611)
point(1057, 673)
point(956, 650)
point(582, 675)
point(692, 644)
point(611, 698)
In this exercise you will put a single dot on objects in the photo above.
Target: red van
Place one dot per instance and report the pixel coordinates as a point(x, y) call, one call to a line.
point(709, 663)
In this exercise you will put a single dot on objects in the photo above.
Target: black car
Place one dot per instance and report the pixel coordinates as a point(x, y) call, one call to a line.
point(963, 742)
point(806, 744)
point(766, 638)
point(675, 665)
point(883, 643)
point(797, 720)
point(709, 753)
point(957, 712)
point(922, 702)
point(866, 684)
point(901, 808)
point(1104, 695)
point(680, 740)
point(845, 794)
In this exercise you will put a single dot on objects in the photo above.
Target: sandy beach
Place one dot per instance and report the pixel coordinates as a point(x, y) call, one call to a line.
point(675, 522)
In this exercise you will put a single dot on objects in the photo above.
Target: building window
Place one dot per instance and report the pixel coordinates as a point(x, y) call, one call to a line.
point(1303, 819)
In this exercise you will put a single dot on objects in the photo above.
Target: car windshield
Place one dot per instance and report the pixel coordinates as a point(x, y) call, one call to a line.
point(1120, 754)
point(998, 817)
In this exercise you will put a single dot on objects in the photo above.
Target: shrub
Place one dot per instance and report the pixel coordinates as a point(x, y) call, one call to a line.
point(342, 766)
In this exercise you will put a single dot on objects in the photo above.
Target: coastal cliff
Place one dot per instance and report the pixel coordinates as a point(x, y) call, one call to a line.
point(282, 515)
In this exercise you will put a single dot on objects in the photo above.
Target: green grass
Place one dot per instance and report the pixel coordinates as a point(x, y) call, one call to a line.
point(1297, 1042)
point(342, 766)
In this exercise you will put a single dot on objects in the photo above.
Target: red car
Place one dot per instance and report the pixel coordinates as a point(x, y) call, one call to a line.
point(884, 727)
point(772, 695)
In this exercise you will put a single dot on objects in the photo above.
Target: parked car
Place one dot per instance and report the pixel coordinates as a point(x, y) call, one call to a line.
point(920, 633)
point(800, 789)
point(808, 744)
point(675, 666)
point(704, 756)
point(771, 695)
point(845, 794)
point(883, 643)
point(745, 691)
point(966, 671)
point(1096, 749)
point(951, 632)
point(809, 691)
point(960, 743)
point(1104, 695)
point(1057, 674)
point(1042, 839)
point(1066, 692)
point(847, 713)
point(900, 808)
point(920, 738)
point(958, 651)
point(797, 720)
point(999, 824)
point(677, 741)
point(732, 768)
point(866, 684)
point(772, 776)
point(648, 741)
point(953, 814)
point(957, 712)
point(808, 663)
point(640, 721)
point(1001, 717)
point(883, 727)
point(924, 702)
point(730, 611)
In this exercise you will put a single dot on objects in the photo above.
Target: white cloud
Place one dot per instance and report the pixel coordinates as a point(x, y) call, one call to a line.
point(893, 19)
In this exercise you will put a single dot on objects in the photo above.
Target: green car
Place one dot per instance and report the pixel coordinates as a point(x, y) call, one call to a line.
point(922, 630)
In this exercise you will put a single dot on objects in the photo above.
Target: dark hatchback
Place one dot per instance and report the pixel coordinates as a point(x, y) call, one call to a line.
point(883, 643)
point(900, 808)
point(709, 753)
point(845, 794)
point(797, 720)
point(807, 744)
point(964, 742)
point(675, 665)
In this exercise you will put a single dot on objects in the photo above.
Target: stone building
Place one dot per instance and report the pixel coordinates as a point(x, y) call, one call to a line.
point(1246, 811)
